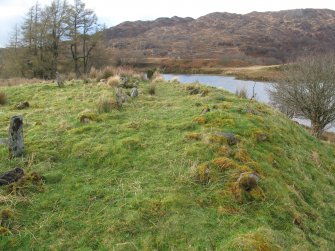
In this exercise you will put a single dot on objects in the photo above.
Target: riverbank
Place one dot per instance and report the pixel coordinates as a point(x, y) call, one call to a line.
point(263, 73)
point(240, 70)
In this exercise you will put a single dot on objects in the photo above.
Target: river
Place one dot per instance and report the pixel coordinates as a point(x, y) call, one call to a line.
point(232, 85)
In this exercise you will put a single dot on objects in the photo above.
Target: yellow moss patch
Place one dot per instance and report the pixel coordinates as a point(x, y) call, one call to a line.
point(260, 136)
point(227, 210)
point(7, 214)
point(242, 155)
point(193, 136)
point(200, 120)
point(261, 240)
point(87, 116)
point(219, 122)
point(257, 193)
point(223, 163)
point(4, 231)
point(224, 151)
point(203, 173)
point(224, 106)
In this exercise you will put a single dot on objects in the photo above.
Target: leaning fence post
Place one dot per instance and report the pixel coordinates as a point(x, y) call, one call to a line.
point(15, 141)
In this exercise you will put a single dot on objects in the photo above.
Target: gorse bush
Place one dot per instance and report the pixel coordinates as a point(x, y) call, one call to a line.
point(3, 98)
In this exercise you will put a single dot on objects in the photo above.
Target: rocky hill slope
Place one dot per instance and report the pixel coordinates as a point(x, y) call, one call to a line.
point(258, 37)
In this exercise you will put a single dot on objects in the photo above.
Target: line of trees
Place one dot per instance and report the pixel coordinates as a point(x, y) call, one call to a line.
point(58, 37)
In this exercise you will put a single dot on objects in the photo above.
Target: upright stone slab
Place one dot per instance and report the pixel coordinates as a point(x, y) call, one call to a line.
point(15, 140)
point(134, 92)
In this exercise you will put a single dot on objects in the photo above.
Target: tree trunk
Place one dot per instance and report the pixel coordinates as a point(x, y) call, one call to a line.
point(317, 129)
point(15, 141)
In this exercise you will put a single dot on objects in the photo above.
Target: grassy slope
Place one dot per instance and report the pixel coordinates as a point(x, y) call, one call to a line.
point(128, 181)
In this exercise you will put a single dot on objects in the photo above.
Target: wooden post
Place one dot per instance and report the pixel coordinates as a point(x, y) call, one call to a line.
point(15, 141)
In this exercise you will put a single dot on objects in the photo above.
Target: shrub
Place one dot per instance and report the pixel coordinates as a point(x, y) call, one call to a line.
point(71, 76)
point(106, 73)
point(94, 73)
point(113, 81)
point(3, 98)
point(107, 104)
point(150, 73)
point(152, 89)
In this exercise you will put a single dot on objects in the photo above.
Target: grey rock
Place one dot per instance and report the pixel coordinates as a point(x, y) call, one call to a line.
point(59, 80)
point(230, 137)
point(22, 105)
point(118, 97)
point(15, 140)
point(248, 181)
point(134, 92)
point(11, 176)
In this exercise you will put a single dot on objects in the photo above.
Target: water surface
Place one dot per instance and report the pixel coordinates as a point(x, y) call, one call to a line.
point(232, 85)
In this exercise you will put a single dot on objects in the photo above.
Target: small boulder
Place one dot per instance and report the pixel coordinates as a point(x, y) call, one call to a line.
point(22, 105)
point(248, 181)
point(11, 176)
point(229, 137)
point(134, 92)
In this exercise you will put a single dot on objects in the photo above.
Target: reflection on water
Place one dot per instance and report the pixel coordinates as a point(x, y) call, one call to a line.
point(231, 84)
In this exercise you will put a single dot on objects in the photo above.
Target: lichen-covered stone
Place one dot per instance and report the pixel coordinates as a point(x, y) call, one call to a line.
point(15, 140)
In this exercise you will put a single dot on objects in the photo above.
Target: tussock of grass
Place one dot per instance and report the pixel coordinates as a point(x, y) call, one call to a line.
point(3, 98)
point(106, 104)
point(141, 178)
point(152, 89)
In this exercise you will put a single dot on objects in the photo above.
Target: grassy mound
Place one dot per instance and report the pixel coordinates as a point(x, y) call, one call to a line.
point(159, 175)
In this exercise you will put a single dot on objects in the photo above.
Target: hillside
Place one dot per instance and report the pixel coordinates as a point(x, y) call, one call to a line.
point(159, 175)
point(254, 38)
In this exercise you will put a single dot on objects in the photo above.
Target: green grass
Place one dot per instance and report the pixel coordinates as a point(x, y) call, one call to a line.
point(128, 179)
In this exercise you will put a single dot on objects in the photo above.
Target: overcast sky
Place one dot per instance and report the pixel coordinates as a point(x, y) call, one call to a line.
point(113, 12)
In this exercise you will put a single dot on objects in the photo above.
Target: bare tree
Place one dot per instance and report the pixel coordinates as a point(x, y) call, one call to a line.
point(56, 18)
point(83, 33)
point(308, 90)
